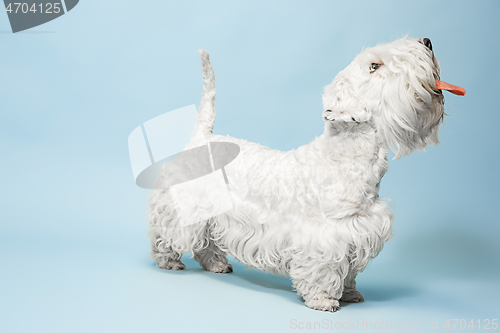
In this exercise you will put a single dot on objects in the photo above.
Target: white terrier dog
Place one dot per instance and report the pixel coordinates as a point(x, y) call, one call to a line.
point(314, 213)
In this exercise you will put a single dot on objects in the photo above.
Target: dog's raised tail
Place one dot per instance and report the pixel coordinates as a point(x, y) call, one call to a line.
point(206, 112)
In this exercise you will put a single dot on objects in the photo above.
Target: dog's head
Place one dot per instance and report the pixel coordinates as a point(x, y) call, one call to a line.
point(394, 87)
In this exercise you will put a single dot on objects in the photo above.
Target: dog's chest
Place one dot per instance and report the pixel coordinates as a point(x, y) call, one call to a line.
point(355, 166)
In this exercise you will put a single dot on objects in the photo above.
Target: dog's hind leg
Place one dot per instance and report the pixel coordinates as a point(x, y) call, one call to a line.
point(212, 258)
point(350, 294)
point(165, 257)
point(319, 283)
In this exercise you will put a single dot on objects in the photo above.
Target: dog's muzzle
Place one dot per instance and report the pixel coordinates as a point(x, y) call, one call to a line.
point(441, 85)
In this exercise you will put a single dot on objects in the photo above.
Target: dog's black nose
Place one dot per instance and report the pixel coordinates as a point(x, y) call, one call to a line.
point(427, 42)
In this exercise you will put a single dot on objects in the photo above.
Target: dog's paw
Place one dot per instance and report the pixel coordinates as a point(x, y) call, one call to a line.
point(323, 304)
point(170, 264)
point(357, 116)
point(352, 296)
point(220, 267)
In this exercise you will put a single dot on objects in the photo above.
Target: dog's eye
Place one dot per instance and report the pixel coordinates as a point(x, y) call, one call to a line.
point(374, 67)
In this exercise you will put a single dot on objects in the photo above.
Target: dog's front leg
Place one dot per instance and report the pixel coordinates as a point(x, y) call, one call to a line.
point(320, 283)
point(350, 294)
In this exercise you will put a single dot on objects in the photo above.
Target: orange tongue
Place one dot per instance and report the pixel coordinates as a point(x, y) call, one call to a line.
point(441, 85)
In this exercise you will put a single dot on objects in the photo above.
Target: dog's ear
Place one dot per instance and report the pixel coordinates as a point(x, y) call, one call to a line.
point(409, 116)
point(341, 103)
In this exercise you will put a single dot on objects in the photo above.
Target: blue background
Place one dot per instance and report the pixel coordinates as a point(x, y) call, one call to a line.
point(74, 253)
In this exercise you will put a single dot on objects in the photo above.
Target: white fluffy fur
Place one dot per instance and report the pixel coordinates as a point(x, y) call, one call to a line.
point(314, 213)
